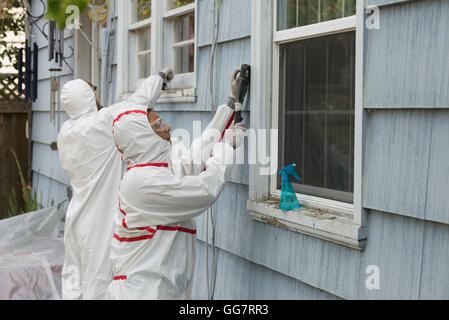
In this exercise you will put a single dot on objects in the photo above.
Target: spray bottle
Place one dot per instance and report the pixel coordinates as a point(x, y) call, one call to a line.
point(288, 195)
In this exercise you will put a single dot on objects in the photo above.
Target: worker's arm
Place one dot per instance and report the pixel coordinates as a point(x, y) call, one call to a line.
point(167, 199)
point(148, 93)
point(193, 161)
point(142, 99)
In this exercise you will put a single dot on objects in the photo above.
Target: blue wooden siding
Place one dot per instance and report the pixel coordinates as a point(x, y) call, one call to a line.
point(437, 204)
point(235, 282)
point(397, 161)
point(234, 20)
point(406, 62)
point(384, 2)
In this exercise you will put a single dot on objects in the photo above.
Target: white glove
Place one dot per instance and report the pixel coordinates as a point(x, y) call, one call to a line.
point(235, 135)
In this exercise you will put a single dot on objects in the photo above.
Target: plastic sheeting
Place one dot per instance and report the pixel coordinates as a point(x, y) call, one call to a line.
point(32, 255)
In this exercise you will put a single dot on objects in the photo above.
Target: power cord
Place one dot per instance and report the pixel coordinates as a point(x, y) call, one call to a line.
point(211, 287)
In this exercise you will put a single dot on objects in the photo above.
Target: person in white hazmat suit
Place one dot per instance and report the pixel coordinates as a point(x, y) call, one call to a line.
point(88, 154)
point(153, 251)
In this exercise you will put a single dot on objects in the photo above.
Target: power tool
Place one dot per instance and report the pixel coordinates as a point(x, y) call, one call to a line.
point(245, 79)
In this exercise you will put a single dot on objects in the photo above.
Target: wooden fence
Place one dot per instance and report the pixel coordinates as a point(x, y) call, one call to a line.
point(14, 113)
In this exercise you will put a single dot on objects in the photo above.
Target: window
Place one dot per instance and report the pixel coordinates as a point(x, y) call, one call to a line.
point(184, 46)
point(141, 36)
point(154, 35)
point(309, 88)
point(316, 98)
point(317, 113)
point(298, 13)
point(179, 38)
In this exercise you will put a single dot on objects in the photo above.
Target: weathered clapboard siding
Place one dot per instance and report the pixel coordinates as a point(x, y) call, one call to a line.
point(384, 2)
point(437, 202)
point(49, 192)
point(406, 169)
point(435, 278)
point(406, 61)
point(395, 245)
point(234, 20)
point(43, 92)
point(240, 279)
point(46, 133)
point(46, 161)
point(397, 161)
point(228, 56)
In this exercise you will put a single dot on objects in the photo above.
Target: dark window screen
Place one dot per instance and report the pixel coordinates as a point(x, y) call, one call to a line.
point(317, 114)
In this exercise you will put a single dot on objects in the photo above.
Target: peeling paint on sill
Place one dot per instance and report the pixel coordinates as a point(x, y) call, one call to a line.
point(310, 221)
point(305, 210)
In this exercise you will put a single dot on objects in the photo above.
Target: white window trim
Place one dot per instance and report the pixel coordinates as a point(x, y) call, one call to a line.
point(319, 217)
point(185, 82)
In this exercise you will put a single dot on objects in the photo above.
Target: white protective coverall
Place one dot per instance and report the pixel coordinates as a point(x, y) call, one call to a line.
point(153, 251)
point(88, 154)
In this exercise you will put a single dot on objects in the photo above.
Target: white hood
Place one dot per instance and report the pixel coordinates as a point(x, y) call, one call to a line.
point(133, 136)
point(78, 99)
point(137, 141)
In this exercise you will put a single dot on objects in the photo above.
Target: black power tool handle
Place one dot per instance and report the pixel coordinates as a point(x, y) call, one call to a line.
point(245, 77)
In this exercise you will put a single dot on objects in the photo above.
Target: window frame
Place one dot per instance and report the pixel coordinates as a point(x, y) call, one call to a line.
point(320, 217)
point(316, 30)
point(184, 80)
point(182, 89)
point(136, 27)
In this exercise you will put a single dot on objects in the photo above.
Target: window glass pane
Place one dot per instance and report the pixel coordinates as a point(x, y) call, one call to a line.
point(143, 53)
point(144, 65)
point(185, 59)
point(144, 39)
point(143, 10)
point(317, 112)
point(185, 27)
point(297, 13)
point(179, 3)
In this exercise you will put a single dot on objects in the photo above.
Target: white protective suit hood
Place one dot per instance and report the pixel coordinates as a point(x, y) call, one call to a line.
point(78, 99)
point(133, 135)
point(137, 141)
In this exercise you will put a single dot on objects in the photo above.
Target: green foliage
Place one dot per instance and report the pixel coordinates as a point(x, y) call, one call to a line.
point(13, 205)
point(180, 3)
point(30, 203)
point(143, 9)
point(11, 19)
point(57, 10)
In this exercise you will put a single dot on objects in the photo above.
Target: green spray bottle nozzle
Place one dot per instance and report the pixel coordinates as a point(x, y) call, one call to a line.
point(288, 195)
point(289, 170)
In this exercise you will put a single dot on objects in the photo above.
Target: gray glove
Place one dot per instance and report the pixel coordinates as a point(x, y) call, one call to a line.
point(235, 135)
point(235, 85)
point(167, 76)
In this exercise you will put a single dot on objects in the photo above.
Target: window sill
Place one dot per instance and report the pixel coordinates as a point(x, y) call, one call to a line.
point(312, 221)
point(170, 96)
point(178, 96)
